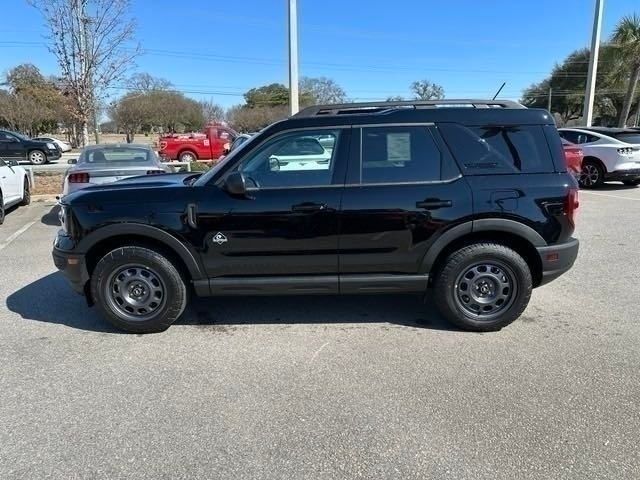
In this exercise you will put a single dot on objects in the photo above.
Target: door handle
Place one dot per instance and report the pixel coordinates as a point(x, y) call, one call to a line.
point(434, 204)
point(309, 207)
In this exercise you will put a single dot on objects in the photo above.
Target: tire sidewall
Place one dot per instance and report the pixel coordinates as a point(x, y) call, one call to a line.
point(446, 287)
point(176, 292)
point(26, 193)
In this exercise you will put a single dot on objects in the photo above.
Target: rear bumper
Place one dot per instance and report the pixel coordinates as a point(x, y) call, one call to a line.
point(72, 265)
point(557, 259)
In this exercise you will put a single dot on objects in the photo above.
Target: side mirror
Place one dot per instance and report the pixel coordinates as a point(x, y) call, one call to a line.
point(236, 184)
point(72, 161)
point(13, 162)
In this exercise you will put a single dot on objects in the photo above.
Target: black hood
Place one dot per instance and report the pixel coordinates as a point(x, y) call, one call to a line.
point(135, 189)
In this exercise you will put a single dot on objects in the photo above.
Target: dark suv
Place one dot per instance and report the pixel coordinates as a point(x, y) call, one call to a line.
point(469, 198)
point(14, 146)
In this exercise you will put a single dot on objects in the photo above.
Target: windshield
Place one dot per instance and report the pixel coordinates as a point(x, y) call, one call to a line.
point(121, 156)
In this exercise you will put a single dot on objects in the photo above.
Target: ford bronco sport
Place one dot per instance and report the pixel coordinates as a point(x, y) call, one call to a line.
point(468, 198)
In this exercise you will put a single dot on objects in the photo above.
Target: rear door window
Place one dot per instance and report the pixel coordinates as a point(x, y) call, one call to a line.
point(499, 149)
point(399, 154)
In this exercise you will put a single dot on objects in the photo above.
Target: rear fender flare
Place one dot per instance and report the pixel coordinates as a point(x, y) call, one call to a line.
point(475, 226)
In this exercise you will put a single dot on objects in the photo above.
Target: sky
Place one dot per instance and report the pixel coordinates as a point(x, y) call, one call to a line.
point(372, 48)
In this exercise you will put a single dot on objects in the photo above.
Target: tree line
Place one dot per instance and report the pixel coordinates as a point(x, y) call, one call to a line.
point(617, 99)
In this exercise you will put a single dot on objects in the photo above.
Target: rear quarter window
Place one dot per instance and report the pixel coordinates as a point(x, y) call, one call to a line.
point(499, 149)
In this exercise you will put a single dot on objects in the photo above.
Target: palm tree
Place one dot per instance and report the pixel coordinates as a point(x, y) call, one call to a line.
point(627, 37)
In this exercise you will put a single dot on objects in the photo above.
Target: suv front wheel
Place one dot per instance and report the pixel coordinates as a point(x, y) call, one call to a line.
point(138, 290)
point(483, 287)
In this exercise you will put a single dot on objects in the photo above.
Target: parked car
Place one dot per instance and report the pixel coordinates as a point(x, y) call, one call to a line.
point(609, 154)
point(14, 186)
point(239, 140)
point(14, 146)
point(62, 146)
point(189, 147)
point(100, 164)
point(473, 203)
point(574, 155)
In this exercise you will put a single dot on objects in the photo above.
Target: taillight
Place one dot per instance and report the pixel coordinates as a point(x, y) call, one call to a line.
point(163, 145)
point(79, 177)
point(154, 172)
point(571, 205)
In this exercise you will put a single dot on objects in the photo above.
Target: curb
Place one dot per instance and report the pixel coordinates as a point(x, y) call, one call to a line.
point(44, 198)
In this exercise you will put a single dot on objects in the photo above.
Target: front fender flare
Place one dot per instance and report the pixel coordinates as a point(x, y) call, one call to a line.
point(189, 257)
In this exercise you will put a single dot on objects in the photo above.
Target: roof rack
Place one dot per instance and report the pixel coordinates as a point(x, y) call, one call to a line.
point(380, 107)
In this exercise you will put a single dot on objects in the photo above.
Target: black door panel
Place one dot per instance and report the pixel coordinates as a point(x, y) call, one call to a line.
point(266, 235)
point(383, 230)
point(288, 223)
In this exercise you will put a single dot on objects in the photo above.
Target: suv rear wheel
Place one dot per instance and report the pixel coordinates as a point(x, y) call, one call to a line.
point(483, 287)
point(138, 290)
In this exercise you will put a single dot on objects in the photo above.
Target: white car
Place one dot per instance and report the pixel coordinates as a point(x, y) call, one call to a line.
point(14, 186)
point(609, 154)
point(63, 146)
point(305, 153)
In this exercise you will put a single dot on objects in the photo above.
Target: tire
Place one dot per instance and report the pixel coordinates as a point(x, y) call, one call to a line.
point(127, 272)
point(1, 209)
point(631, 183)
point(592, 175)
point(187, 156)
point(26, 193)
point(462, 285)
point(37, 157)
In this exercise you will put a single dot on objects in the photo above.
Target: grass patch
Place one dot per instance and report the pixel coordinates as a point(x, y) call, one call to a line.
point(47, 183)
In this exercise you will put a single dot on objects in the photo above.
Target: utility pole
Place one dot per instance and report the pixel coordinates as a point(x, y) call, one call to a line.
point(593, 64)
point(549, 102)
point(293, 57)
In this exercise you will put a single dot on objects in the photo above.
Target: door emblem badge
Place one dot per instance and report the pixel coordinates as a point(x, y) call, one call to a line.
point(219, 238)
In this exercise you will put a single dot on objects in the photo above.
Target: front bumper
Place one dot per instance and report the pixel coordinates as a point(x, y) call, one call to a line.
point(53, 154)
point(557, 259)
point(72, 265)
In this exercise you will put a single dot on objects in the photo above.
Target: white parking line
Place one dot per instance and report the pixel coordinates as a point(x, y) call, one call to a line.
point(610, 196)
point(15, 235)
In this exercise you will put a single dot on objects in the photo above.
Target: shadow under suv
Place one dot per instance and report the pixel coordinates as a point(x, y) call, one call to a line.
point(469, 198)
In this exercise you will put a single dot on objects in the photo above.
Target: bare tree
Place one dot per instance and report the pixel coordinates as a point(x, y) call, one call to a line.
point(426, 90)
point(144, 82)
point(91, 39)
point(321, 90)
point(212, 111)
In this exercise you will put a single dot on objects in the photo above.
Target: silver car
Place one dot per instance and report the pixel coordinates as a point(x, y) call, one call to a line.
point(99, 164)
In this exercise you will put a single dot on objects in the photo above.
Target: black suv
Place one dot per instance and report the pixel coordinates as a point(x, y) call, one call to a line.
point(14, 146)
point(469, 198)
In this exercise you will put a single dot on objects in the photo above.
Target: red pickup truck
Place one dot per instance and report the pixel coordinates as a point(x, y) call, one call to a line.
point(188, 147)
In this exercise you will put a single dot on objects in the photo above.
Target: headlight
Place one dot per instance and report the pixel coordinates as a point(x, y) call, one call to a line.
point(51, 146)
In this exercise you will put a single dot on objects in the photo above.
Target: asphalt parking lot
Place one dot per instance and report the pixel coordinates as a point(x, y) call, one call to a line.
point(325, 388)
